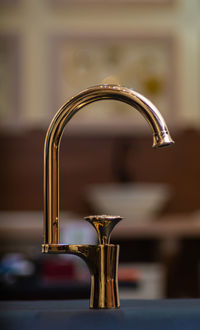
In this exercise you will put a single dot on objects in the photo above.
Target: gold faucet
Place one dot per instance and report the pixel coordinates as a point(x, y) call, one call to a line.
point(102, 259)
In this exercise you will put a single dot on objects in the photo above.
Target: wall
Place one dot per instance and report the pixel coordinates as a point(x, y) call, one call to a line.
point(86, 161)
point(36, 23)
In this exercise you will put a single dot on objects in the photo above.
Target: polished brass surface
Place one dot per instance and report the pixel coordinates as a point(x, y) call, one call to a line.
point(103, 224)
point(101, 259)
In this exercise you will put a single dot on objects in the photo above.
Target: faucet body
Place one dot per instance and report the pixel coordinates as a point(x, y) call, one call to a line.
point(101, 259)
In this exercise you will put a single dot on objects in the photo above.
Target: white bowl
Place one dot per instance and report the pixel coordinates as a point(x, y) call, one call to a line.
point(135, 202)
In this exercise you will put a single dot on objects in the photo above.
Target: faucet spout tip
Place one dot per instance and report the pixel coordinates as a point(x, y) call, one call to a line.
point(162, 139)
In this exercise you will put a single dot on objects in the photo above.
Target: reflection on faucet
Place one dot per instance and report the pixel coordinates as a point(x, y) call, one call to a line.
point(102, 259)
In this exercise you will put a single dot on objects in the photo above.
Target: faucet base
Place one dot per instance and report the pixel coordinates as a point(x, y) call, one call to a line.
point(102, 261)
point(104, 278)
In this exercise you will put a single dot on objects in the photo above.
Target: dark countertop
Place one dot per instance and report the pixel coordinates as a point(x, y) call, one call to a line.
point(173, 314)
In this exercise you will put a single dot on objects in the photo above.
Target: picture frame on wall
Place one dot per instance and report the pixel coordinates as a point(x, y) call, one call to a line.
point(143, 62)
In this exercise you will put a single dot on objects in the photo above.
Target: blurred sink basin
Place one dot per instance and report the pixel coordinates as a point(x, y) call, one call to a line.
point(134, 202)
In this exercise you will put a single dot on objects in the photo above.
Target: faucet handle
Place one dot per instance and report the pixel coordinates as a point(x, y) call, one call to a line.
point(104, 225)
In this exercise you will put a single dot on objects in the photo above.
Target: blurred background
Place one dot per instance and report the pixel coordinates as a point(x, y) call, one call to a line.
point(51, 50)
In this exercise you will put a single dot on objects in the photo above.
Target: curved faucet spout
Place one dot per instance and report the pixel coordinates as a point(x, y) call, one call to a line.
point(161, 137)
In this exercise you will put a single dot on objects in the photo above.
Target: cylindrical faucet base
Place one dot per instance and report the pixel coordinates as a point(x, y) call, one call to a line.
point(104, 278)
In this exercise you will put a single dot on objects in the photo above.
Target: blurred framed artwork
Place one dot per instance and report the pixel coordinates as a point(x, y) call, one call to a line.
point(145, 63)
